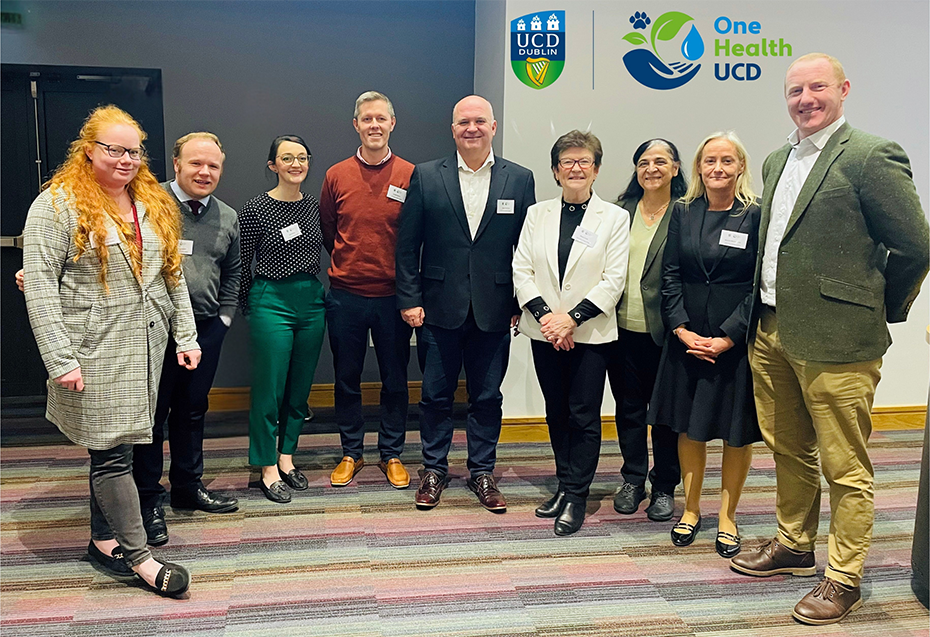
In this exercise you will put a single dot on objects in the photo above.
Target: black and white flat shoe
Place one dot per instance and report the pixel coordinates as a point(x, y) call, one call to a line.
point(683, 533)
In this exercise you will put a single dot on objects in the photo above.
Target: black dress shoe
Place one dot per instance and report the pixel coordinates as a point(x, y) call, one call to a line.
point(551, 507)
point(628, 497)
point(202, 500)
point(294, 479)
point(109, 564)
point(570, 519)
point(726, 550)
point(661, 507)
point(156, 529)
point(683, 533)
point(277, 492)
point(172, 580)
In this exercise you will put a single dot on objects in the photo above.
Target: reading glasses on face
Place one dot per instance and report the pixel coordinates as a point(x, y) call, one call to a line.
point(116, 151)
point(289, 159)
point(584, 163)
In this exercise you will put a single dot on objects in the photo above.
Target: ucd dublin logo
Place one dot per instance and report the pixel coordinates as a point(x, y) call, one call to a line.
point(537, 47)
point(649, 68)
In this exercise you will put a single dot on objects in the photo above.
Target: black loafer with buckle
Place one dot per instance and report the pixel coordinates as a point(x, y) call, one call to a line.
point(109, 564)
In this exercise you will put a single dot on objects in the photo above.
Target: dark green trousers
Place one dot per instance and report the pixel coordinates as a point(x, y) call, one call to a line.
point(287, 323)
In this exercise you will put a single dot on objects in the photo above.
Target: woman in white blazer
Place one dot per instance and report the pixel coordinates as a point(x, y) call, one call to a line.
point(569, 271)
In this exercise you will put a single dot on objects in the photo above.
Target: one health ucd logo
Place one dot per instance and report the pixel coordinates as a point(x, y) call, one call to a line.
point(657, 71)
point(537, 47)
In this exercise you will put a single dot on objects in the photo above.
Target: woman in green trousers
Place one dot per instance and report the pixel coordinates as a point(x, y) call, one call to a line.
point(280, 229)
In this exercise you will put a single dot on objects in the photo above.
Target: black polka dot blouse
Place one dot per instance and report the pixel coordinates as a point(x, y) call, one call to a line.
point(267, 229)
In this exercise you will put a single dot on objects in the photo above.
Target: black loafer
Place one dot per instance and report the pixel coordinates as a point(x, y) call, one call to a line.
point(570, 519)
point(156, 529)
point(294, 479)
point(202, 500)
point(551, 507)
point(172, 580)
point(690, 532)
point(725, 550)
point(110, 564)
point(277, 492)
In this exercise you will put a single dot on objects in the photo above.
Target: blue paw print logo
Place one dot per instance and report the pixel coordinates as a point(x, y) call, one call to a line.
point(647, 66)
point(640, 20)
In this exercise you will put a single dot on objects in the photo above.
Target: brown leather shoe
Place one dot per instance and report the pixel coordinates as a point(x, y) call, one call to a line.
point(487, 492)
point(396, 473)
point(431, 486)
point(773, 558)
point(345, 471)
point(828, 603)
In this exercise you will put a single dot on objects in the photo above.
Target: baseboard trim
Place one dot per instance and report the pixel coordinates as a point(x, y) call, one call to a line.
point(886, 418)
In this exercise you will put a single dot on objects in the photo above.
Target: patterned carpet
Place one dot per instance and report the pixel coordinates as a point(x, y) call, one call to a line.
point(362, 561)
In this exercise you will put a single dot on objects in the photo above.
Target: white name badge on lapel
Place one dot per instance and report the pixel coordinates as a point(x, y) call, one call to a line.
point(732, 239)
point(397, 194)
point(291, 232)
point(186, 247)
point(505, 206)
point(111, 240)
point(584, 236)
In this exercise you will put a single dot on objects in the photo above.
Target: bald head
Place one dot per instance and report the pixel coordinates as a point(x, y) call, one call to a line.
point(473, 128)
point(473, 101)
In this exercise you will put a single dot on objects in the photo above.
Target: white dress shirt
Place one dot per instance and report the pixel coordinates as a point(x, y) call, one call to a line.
point(183, 197)
point(475, 185)
point(801, 160)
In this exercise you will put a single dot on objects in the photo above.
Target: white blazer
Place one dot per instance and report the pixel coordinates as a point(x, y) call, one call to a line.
point(596, 273)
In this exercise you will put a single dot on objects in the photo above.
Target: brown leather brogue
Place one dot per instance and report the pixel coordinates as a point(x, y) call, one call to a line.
point(488, 494)
point(345, 471)
point(773, 558)
point(431, 486)
point(828, 603)
point(395, 472)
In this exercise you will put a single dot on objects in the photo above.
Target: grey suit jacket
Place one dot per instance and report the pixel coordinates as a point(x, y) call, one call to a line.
point(855, 251)
point(117, 337)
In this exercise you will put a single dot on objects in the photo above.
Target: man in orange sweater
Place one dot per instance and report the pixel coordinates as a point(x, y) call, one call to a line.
point(359, 209)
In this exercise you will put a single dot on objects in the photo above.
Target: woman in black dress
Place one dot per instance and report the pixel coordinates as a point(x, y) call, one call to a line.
point(704, 387)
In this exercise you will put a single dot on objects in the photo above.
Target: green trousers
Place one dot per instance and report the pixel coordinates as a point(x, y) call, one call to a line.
point(287, 323)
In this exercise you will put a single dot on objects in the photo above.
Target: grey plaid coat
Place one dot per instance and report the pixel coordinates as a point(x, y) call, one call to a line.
point(118, 338)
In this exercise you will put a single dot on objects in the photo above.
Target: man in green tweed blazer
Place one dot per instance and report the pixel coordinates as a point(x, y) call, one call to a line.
point(844, 248)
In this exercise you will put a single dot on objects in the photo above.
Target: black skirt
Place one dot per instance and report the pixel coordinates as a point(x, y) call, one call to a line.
point(707, 401)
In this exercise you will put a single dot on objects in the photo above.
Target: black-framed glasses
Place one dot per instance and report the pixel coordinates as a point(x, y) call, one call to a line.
point(289, 159)
point(568, 164)
point(116, 151)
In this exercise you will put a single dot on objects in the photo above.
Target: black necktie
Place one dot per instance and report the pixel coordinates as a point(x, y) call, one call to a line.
point(195, 206)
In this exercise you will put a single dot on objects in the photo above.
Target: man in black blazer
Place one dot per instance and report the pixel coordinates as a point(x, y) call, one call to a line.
point(458, 229)
point(843, 251)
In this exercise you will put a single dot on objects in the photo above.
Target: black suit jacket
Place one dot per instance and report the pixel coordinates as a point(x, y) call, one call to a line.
point(715, 301)
point(439, 267)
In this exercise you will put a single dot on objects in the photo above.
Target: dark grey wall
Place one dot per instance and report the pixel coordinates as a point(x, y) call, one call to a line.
point(251, 70)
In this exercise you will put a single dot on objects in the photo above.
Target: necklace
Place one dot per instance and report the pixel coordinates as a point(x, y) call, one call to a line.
point(652, 215)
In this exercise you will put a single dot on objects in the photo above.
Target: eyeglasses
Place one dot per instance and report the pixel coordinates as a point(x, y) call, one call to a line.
point(117, 151)
point(289, 159)
point(584, 163)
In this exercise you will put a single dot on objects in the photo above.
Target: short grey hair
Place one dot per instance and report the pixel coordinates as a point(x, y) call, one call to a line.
point(372, 96)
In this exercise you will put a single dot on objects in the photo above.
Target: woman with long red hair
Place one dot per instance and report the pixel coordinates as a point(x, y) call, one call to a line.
point(104, 289)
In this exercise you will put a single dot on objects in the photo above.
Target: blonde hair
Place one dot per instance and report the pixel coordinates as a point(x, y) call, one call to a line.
point(178, 145)
point(75, 180)
point(838, 71)
point(744, 192)
point(372, 96)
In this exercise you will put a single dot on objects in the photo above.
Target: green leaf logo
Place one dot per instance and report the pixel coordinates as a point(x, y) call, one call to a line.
point(667, 27)
point(635, 38)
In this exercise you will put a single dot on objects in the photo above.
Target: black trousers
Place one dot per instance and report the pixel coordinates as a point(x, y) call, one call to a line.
point(183, 400)
point(631, 369)
point(572, 383)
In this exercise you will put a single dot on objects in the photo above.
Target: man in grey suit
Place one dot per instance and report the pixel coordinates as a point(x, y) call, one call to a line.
point(845, 249)
point(458, 228)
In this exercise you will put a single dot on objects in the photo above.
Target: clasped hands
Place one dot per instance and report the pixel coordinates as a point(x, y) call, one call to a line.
point(558, 330)
point(703, 347)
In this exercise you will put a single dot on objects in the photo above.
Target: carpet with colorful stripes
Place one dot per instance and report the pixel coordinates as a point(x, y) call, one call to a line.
point(360, 560)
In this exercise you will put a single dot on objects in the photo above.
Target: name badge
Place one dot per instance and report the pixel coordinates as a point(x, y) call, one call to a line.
point(186, 247)
point(397, 194)
point(732, 239)
point(291, 232)
point(505, 206)
point(584, 236)
point(111, 240)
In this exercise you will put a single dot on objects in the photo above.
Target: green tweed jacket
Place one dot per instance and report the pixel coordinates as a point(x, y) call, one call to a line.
point(855, 251)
